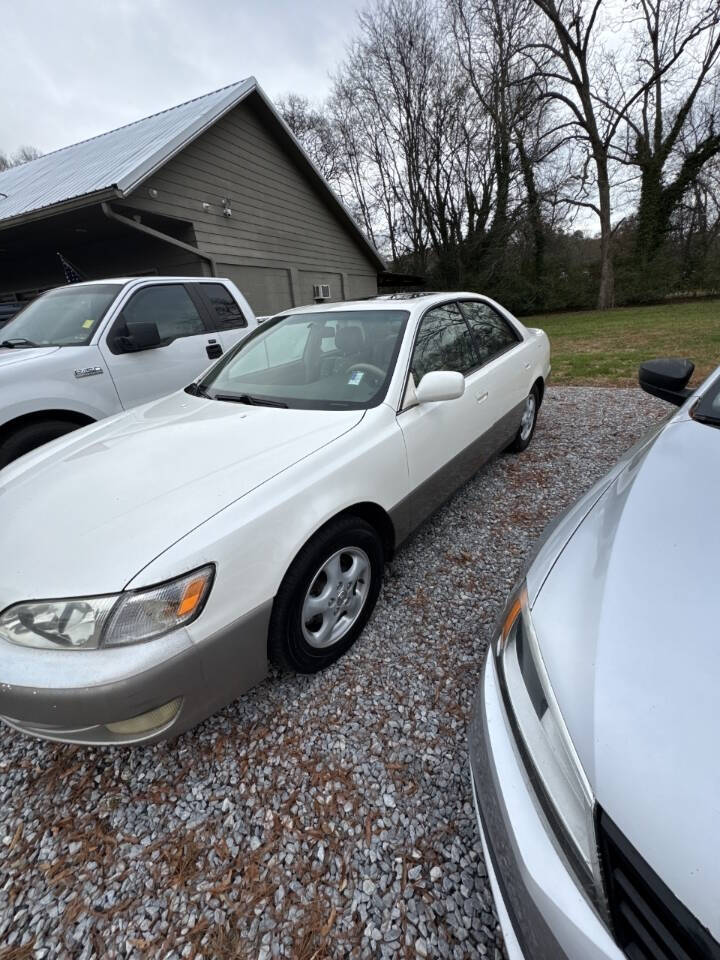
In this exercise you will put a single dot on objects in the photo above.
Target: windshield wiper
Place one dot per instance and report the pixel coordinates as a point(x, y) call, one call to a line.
point(18, 342)
point(250, 400)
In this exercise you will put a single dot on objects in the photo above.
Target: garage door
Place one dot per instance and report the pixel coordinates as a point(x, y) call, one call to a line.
point(362, 286)
point(267, 289)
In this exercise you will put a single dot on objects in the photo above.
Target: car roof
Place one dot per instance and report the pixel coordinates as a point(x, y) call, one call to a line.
point(390, 301)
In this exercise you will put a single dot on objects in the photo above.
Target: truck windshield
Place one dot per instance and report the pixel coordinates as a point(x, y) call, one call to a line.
point(66, 317)
point(329, 360)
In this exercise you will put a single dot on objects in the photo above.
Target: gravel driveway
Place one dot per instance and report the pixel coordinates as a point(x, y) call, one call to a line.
point(316, 817)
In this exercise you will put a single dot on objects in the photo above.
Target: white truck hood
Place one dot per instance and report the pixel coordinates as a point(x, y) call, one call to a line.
point(84, 514)
point(12, 355)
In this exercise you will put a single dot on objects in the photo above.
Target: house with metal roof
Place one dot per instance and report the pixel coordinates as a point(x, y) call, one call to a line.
point(218, 186)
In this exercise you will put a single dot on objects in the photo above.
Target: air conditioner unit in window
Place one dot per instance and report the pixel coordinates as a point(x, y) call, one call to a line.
point(321, 291)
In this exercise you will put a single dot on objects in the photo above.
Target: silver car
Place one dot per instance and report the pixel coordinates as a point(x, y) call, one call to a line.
point(594, 743)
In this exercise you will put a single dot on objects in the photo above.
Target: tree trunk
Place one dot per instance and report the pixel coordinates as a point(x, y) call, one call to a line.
point(653, 216)
point(536, 225)
point(606, 292)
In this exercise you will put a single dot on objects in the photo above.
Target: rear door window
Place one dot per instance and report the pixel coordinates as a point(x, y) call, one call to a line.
point(493, 335)
point(225, 311)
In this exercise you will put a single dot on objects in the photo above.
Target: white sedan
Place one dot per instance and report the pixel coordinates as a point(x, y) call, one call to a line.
point(153, 563)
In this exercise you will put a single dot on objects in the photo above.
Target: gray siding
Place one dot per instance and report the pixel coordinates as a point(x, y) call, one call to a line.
point(280, 222)
point(310, 277)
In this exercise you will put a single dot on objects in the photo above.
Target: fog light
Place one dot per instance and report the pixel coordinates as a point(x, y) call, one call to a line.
point(145, 722)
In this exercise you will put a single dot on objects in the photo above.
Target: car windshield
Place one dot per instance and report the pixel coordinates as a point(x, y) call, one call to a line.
point(329, 360)
point(66, 317)
point(707, 409)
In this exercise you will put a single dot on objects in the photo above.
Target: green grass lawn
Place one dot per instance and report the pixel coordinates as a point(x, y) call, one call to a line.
point(607, 347)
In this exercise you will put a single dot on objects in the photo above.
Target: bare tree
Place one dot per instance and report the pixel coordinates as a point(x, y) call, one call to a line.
point(469, 136)
point(23, 155)
point(400, 102)
point(316, 131)
point(674, 129)
point(583, 75)
point(492, 37)
point(694, 231)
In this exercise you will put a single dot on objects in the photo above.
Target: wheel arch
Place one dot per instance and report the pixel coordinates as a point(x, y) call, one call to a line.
point(378, 518)
point(372, 513)
point(40, 416)
point(540, 386)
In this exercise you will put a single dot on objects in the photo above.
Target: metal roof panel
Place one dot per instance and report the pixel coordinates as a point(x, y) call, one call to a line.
point(123, 158)
point(119, 159)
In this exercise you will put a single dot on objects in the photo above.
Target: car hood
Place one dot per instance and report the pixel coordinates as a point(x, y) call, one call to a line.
point(11, 355)
point(628, 627)
point(85, 513)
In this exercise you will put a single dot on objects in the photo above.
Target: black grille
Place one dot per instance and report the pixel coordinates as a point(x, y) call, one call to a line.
point(649, 921)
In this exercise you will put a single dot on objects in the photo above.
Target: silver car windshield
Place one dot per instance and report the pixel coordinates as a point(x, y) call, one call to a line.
point(340, 359)
point(707, 409)
point(66, 317)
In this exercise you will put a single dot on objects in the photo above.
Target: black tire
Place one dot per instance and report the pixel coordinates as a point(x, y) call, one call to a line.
point(33, 435)
point(287, 644)
point(522, 440)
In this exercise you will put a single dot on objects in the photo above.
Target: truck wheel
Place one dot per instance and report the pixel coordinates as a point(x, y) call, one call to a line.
point(27, 438)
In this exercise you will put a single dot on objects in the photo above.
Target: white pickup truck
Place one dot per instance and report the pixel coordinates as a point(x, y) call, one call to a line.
point(86, 351)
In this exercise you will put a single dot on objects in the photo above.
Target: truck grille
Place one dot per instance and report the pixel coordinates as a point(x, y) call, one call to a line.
point(649, 921)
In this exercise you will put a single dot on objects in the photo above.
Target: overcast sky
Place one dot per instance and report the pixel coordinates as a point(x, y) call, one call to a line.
point(76, 68)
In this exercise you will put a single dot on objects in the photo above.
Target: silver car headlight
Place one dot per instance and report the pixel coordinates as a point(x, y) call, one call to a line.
point(550, 759)
point(129, 617)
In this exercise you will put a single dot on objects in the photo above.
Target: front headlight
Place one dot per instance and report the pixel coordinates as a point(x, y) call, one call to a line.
point(109, 621)
point(542, 737)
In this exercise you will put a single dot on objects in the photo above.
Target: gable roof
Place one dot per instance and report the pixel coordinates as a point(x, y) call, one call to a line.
point(114, 164)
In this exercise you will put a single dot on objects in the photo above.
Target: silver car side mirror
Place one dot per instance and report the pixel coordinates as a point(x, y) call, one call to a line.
point(440, 385)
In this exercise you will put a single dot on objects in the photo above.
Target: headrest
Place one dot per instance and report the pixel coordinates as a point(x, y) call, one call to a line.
point(349, 339)
point(383, 350)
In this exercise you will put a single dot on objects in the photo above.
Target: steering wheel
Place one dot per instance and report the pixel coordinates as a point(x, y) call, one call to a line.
point(368, 368)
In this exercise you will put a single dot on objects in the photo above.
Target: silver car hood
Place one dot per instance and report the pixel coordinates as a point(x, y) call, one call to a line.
point(85, 513)
point(628, 625)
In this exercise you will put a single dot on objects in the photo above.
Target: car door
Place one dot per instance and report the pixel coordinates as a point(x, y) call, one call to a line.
point(224, 312)
point(441, 438)
point(505, 366)
point(187, 345)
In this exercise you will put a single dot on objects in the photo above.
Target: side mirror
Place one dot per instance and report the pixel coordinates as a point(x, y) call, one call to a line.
point(667, 378)
point(141, 336)
point(440, 385)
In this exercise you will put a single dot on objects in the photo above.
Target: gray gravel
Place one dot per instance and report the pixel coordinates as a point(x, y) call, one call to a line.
point(315, 817)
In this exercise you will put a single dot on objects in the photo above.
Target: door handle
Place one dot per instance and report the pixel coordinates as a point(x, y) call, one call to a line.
point(481, 396)
point(214, 350)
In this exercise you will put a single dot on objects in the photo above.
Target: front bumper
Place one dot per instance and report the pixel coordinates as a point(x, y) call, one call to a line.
point(70, 696)
point(542, 910)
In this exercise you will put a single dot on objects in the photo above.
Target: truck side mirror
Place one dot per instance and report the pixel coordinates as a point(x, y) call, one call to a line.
point(667, 379)
point(143, 335)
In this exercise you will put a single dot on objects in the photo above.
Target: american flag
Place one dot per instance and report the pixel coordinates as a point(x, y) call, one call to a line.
point(72, 274)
